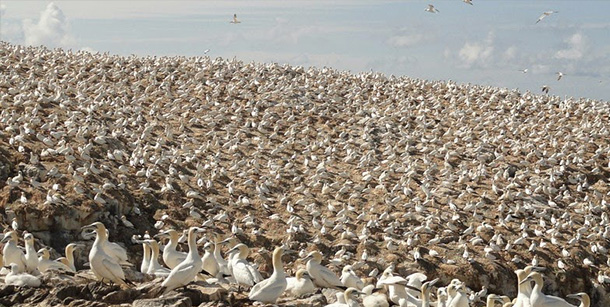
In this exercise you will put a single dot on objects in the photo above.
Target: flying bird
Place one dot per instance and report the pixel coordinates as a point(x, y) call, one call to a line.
point(235, 20)
point(206, 51)
point(468, 1)
point(545, 89)
point(431, 9)
point(547, 13)
point(523, 70)
point(559, 75)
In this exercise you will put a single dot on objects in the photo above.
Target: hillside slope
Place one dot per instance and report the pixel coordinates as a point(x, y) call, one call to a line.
point(368, 169)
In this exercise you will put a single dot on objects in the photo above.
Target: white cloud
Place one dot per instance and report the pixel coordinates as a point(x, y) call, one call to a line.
point(52, 30)
point(406, 40)
point(577, 44)
point(477, 53)
point(409, 37)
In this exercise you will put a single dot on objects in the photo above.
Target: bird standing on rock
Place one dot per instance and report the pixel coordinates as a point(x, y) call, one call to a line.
point(104, 266)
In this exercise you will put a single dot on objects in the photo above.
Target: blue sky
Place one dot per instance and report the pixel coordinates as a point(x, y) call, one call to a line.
point(486, 43)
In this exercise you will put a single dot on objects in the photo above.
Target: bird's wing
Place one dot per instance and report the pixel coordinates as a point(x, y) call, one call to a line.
point(179, 275)
point(330, 277)
point(114, 269)
point(394, 280)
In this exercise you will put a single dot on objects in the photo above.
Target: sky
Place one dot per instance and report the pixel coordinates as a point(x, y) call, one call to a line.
point(487, 43)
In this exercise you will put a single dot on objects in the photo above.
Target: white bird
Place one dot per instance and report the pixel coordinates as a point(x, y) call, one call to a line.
point(322, 276)
point(104, 266)
point(547, 13)
point(154, 268)
point(115, 251)
point(545, 89)
point(186, 271)
point(431, 9)
point(539, 299)
point(425, 292)
point(209, 263)
point(350, 279)
point(11, 253)
point(171, 256)
point(523, 70)
point(69, 258)
point(300, 284)
point(31, 257)
point(374, 299)
point(351, 298)
point(559, 75)
point(126, 222)
point(44, 263)
point(16, 278)
point(397, 288)
point(145, 258)
point(235, 20)
point(244, 272)
point(459, 297)
point(585, 300)
point(223, 265)
point(268, 290)
point(524, 289)
point(468, 1)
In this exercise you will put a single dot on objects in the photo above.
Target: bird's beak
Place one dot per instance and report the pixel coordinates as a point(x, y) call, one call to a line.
point(5, 239)
point(577, 296)
point(538, 269)
point(90, 226)
point(412, 288)
point(527, 279)
point(227, 240)
point(432, 282)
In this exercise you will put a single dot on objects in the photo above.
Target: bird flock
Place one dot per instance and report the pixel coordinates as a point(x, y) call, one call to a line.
point(386, 190)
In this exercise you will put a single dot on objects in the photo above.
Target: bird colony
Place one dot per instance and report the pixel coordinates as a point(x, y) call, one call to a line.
point(165, 176)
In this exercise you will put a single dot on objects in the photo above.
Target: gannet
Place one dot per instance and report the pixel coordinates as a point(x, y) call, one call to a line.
point(300, 284)
point(244, 273)
point(431, 9)
point(492, 299)
point(145, 258)
point(458, 296)
point(171, 256)
point(104, 266)
point(350, 296)
point(321, 275)
point(468, 1)
point(397, 288)
point(547, 13)
point(223, 264)
point(374, 299)
point(268, 290)
point(69, 258)
point(186, 271)
point(44, 263)
point(235, 20)
point(31, 257)
point(208, 260)
point(559, 75)
point(425, 292)
point(523, 70)
point(154, 268)
point(116, 251)
point(545, 89)
point(16, 278)
point(350, 279)
point(524, 290)
point(11, 253)
point(539, 299)
point(585, 300)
